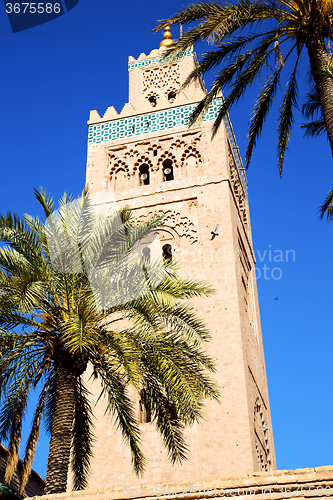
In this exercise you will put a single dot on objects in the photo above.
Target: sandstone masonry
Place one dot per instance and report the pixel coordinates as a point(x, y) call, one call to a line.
point(148, 158)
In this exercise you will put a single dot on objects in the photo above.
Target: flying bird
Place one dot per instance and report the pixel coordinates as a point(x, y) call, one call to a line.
point(215, 232)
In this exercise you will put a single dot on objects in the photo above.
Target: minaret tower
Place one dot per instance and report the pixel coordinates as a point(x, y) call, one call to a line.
point(148, 158)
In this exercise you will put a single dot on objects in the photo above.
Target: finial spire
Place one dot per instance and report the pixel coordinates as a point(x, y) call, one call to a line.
point(167, 38)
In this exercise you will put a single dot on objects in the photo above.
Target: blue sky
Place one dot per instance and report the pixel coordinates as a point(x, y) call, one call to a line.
point(54, 74)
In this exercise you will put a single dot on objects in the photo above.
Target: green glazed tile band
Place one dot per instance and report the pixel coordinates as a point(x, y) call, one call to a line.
point(147, 123)
point(156, 60)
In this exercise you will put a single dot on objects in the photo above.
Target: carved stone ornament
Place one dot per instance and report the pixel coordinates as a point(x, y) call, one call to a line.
point(261, 436)
point(182, 226)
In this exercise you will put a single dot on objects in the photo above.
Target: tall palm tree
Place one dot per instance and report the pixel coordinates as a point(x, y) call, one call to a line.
point(256, 36)
point(73, 295)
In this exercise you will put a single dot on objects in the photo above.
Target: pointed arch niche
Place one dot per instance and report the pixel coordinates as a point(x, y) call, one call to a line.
point(120, 180)
point(192, 167)
point(191, 162)
point(119, 177)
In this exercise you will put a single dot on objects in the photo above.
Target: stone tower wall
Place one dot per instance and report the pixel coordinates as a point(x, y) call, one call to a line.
point(208, 189)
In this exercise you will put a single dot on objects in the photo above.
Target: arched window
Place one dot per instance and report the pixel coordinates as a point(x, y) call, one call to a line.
point(146, 253)
point(144, 174)
point(153, 100)
point(171, 96)
point(167, 170)
point(167, 252)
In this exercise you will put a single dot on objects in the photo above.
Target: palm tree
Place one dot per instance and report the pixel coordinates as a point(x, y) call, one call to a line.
point(75, 295)
point(256, 36)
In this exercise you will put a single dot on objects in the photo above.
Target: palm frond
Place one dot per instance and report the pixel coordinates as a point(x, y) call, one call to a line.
point(327, 207)
point(260, 112)
point(286, 117)
point(15, 434)
point(121, 408)
point(312, 110)
point(312, 104)
point(315, 128)
point(171, 358)
point(168, 422)
point(45, 200)
point(33, 438)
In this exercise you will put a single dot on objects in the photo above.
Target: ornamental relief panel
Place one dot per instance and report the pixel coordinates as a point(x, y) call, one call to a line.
point(180, 224)
point(124, 165)
point(260, 427)
point(261, 436)
point(161, 77)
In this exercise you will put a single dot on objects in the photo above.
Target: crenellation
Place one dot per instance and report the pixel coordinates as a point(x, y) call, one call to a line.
point(94, 116)
point(110, 114)
point(128, 110)
point(142, 57)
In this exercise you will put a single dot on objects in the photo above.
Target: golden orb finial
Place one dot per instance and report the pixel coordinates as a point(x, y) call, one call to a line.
point(167, 38)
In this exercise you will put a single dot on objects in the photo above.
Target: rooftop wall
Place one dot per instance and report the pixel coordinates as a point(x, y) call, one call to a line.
point(35, 484)
point(309, 483)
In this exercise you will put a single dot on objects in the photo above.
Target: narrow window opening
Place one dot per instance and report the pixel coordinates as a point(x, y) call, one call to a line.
point(153, 101)
point(171, 97)
point(167, 170)
point(167, 253)
point(155, 152)
point(144, 175)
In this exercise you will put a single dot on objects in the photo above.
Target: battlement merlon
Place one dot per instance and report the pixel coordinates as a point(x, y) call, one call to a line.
point(154, 85)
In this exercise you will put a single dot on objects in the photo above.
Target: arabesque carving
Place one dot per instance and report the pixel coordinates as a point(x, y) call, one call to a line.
point(184, 155)
point(159, 77)
point(183, 226)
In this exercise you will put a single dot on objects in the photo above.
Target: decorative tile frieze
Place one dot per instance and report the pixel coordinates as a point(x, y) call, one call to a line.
point(156, 60)
point(147, 123)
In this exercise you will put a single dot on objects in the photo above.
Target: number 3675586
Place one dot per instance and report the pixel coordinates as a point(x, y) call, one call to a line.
point(33, 8)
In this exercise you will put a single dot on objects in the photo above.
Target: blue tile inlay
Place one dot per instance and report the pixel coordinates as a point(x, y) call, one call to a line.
point(147, 123)
point(156, 60)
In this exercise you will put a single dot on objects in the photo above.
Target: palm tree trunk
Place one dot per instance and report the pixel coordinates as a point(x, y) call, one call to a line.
point(319, 62)
point(61, 432)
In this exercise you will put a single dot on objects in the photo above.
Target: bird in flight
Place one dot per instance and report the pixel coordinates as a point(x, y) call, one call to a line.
point(215, 232)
